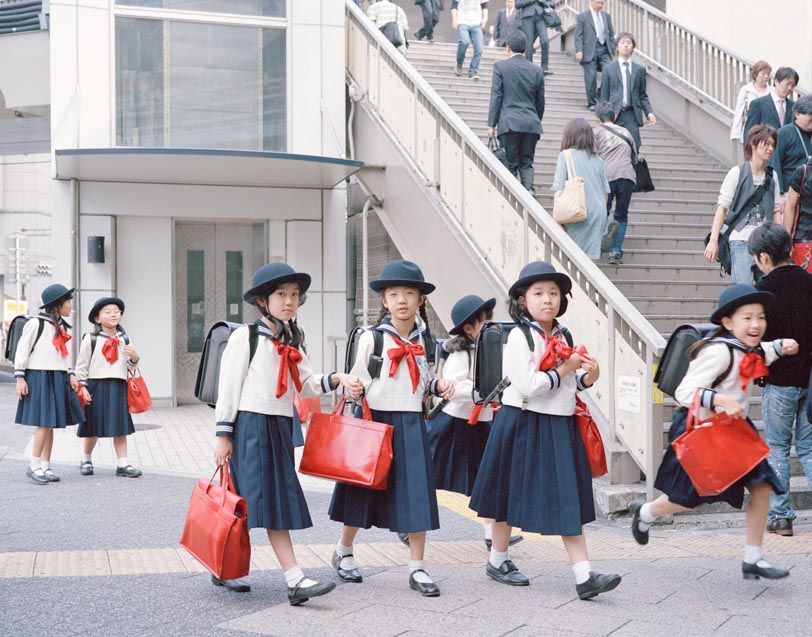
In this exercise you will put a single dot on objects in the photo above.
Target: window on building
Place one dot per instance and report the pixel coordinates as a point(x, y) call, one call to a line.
point(190, 84)
point(265, 8)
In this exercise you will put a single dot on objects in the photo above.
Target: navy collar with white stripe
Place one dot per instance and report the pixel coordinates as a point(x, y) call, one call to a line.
point(62, 321)
point(731, 341)
point(414, 335)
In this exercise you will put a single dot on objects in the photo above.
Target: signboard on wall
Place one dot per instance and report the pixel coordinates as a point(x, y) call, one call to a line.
point(12, 308)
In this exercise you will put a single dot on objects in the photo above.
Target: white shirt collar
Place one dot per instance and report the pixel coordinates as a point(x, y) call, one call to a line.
point(776, 99)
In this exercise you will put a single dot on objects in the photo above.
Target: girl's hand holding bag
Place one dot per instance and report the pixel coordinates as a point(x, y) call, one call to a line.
point(569, 205)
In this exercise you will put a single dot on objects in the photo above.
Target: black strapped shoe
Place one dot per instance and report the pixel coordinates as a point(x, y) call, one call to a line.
point(128, 472)
point(426, 590)
point(514, 539)
point(507, 573)
point(50, 476)
point(754, 571)
point(404, 537)
point(233, 585)
point(345, 575)
point(37, 477)
point(86, 468)
point(597, 584)
point(641, 537)
point(300, 594)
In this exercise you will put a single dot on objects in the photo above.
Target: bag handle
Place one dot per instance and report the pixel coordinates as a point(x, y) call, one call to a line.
point(631, 144)
point(693, 411)
point(225, 482)
point(570, 165)
point(366, 412)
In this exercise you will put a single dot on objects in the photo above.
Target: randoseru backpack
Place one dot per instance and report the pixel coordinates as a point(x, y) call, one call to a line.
point(208, 372)
point(674, 362)
point(15, 331)
point(489, 381)
point(376, 358)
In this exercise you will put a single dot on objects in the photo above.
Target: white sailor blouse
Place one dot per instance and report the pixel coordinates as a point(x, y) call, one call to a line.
point(107, 360)
point(459, 369)
point(50, 352)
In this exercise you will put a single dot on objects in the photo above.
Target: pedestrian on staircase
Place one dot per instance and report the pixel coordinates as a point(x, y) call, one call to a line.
point(469, 18)
point(535, 26)
point(623, 85)
point(390, 18)
point(758, 86)
point(427, 30)
point(616, 148)
point(748, 197)
point(720, 371)
point(579, 138)
point(784, 400)
point(774, 109)
point(594, 46)
point(794, 145)
point(507, 21)
point(516, 109)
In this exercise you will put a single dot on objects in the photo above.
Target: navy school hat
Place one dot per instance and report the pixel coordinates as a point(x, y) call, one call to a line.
point(102, 302)
point(733, 297)
point(272, 275)
point(54, 293)
point(543, 271)
point(403, 273)
point(467, 309)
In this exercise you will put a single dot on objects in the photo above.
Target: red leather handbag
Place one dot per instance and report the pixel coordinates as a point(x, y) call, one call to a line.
point(306, 407)
point(801, 250)
point(138, 398)
point(591, 435)
point(356, 451)
point(216, 530)
point(717, 451)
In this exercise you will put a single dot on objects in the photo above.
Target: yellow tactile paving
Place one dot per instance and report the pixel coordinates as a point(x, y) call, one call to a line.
point(535, 548)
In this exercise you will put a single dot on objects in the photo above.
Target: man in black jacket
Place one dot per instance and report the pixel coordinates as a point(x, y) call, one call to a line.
point(517, 107)
point(784, 401)
point(594, 45)
point(507, 21)
point(534, 26)
point(794, 145)
point(776, 108)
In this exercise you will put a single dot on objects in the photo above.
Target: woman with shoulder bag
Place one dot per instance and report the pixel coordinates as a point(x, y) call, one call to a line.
point(748, 193)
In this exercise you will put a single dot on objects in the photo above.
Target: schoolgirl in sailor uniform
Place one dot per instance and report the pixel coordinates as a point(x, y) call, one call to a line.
point(45, 380)
point(254, 414)
point(722, 369)
point(101, 369)
point(409, 503)
point(535, 472)
point(458, 434)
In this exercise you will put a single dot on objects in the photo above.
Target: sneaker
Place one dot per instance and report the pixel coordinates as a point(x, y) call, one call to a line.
point(615, 258)
point(609, 235)
point(458, 69)
point(37, 476)
point(473, 76)
point(780, 526)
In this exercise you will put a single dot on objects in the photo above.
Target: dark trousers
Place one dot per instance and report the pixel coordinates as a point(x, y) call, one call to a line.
point(520, 151)
point(620, 193)
point(430, 20)
point(601, 58)
point(536, 27)
point(627, 119)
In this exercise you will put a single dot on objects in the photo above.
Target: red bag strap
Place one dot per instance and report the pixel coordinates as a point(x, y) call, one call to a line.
point(225, 482)
point(366, 412)
point(693, 411)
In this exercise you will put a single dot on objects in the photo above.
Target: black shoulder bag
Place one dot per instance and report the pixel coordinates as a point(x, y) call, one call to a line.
point(643, 180)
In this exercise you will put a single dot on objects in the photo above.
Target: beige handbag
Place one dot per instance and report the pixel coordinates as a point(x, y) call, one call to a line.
point(569, 205)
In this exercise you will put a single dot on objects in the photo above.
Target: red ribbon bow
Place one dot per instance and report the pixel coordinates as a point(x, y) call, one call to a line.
point(478, 407)
point(556, 349)
point(409, 351)
point(289, 359)
point(60, 338)
point(752, 366)
point(110, 350)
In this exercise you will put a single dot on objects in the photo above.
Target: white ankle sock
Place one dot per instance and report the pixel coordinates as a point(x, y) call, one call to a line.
point(754, 555)
point(646, 519)
point(496, 559)
point(417, 565)
point(581, 570)
point(296, 576)
point(488, 528)
point(347, 563)
point(45, 465)
point(35, 463)
point(121, 462)
point(86, 457)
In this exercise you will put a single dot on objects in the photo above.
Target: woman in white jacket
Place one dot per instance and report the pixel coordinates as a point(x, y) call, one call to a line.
point(758, 86)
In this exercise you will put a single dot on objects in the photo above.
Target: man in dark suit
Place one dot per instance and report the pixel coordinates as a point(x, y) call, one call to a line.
point(534, 26)
point(794, 144)
point(517, 106)
point(774, 109)
point(594, 45)
point(507, 20)
point(431, 17)
point(623, 85)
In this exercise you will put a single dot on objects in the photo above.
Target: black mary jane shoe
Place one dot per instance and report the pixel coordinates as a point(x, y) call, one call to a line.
point(37, 477)
point(426, 590)
point(128, 472)
point(86, 468)
point(514, 539)
point(507, 573)
point(299, 595)
point(754, 571)
point(233, 585)
point(50, 476)
point(351, 575)
point(597, 584)
point(404, 537)
point(641, 537)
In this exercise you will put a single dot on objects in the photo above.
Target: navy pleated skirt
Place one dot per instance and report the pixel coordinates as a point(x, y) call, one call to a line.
point(675, 483)
point(535, 474)
point(409, 503)
point(50, 402)
point(264, 472)
point(456, 451)
point(107, 415)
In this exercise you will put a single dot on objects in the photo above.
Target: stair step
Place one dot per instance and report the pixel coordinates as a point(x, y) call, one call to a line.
point(646, 256)
point(661, 243)
point(688, 287)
